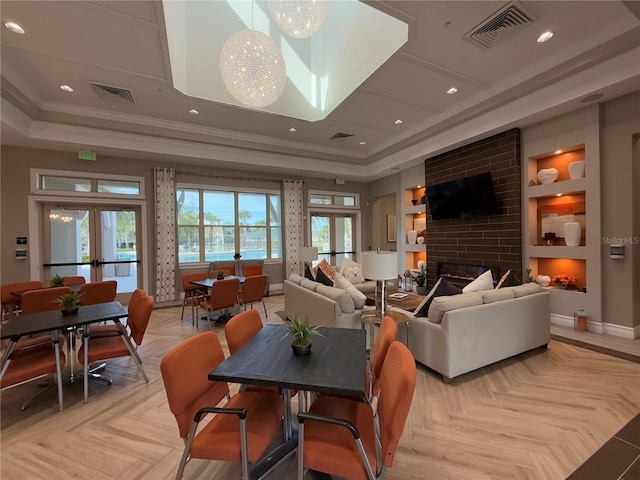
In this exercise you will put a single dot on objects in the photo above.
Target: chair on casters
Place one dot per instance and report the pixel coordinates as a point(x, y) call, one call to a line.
point(337, 436)
point(74, 280)
point(192, 293)
point(241, 429)
point(223, 295)
point(104, 347)
point(10, 303)
point(98, 292)
point(253, 291)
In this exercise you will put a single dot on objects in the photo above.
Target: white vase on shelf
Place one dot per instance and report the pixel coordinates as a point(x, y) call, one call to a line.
point(572, 233)
point(412, 235)
point(420, 240)
point(576, 170)
point(547, 175)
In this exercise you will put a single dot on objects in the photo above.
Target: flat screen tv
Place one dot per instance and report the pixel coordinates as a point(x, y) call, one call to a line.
point(463, 198)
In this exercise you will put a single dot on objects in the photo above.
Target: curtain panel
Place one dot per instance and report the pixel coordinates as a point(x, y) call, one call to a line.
point(165, 206)
point(293, 203)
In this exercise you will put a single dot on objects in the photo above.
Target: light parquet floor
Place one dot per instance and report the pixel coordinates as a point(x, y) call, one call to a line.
point(537, 416)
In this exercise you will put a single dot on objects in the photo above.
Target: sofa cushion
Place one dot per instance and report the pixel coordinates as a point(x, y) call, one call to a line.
point(341, 297)
point(322, 278)
point(309, 285)
point(295, 278)
point(483, 282)
point(525, 289)
point(490, 296)
point(357, 296)
point(309, 273)
point(442, 288)
point(441, 305)
point(508, 280)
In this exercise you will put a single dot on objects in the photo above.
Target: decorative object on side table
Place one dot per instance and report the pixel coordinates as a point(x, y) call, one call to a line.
point(564, 281)
point(550, 238)
point(301, 330)
point(220, 275)
point(57, 281)
point(543, 280)
point(572, 233)
point(69, 303)
point(421, 278)
point(576, 170)
point(547, 175)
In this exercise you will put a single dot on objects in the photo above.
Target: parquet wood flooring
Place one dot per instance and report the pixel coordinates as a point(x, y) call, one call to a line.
point(539, 415)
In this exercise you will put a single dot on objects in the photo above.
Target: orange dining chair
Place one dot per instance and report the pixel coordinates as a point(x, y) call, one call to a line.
point(42, 300)
point(253, 291)
point(33, 362)
point(11, 303)
point(98, 292)
point(223, 295)
point(103, 347)
point(74, 280)
point(387, 333)
point(112, 329)
point(240, 431)
point(337, 435)
point(192, 293)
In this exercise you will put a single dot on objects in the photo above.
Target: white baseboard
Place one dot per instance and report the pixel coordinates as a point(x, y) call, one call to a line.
point(597, 327)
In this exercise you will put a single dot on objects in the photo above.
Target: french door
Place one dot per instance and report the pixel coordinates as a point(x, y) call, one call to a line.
point(98, 242)
point(334, 235)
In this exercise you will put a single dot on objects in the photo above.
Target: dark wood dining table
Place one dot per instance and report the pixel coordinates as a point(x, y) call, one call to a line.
point(335, 365)
point(52, 321)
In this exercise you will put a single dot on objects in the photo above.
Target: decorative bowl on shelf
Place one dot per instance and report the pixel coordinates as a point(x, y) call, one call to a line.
point(547, 175)
point(543, 280)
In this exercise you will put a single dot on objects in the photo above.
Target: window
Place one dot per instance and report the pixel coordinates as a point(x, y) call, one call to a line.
point(330, 199)
point(217, 224)
point(84, 184)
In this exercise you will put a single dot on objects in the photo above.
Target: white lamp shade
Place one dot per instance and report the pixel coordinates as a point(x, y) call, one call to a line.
point(379, 265)
point(308, 254)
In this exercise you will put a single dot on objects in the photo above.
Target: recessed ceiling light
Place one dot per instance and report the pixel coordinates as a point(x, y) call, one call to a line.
point(545, 36)
point(15, 28)
point(293, 130)
point(398, 122)
point(452, 90)
point(66, 88)
point(558, 152)
point(362, 143)
point(193, 111)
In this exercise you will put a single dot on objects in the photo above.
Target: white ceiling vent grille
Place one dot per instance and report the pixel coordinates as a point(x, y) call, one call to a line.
point(115, 94)
point(510, 19)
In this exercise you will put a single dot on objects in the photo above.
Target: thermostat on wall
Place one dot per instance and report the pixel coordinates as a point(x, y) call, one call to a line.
point(616, 251)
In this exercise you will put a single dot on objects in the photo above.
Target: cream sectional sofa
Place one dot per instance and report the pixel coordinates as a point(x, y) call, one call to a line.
point(470, 330)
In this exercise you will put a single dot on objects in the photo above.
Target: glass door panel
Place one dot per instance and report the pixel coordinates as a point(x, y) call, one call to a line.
point(333, 235)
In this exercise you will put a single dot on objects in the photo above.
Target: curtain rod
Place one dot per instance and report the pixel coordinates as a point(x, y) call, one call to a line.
point(228, 177)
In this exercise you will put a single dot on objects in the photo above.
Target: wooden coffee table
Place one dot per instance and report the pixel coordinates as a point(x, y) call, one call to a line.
point(409, 303)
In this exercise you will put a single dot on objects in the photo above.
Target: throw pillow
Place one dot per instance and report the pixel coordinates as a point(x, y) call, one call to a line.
point(309, 273)
point(323, 279)
point(348, 263)
point(328, 271)
point(352, 274)
point(442, 288)
point(252, 270)
point(508, 280)
point(358, 297)
point(483, 282)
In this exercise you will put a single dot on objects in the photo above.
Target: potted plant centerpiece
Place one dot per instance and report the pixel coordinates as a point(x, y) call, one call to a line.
point(57, 281)
point(69, 303)
point(301, 330)
point(421, 278)
point(220, 275)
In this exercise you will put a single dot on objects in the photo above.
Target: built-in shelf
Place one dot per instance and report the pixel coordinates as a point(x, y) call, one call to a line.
point(566, 187)
point(553, 251)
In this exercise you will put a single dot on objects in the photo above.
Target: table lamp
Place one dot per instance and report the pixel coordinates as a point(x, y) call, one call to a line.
point(308, 255)
point(380, 266)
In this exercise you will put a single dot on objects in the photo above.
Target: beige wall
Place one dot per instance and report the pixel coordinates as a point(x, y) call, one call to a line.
point(621, 209)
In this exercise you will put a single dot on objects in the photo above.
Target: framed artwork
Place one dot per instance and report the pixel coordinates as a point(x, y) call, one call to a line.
point(551, 220)
point(391, 228)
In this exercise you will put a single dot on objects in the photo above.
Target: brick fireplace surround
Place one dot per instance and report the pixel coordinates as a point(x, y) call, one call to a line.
point(493, 241)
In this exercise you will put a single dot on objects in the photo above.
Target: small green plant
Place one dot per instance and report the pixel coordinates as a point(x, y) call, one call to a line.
point(421, 277)
point(69, 301)
point(530, 279)
point(301, 330)
point(220, 274)
point(57, 280)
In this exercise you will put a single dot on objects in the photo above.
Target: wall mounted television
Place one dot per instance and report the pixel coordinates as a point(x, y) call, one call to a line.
point(463, 198)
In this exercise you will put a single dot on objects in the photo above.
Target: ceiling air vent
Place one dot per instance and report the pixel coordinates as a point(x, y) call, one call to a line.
point(341, 135)
point(115, 94)
point(510, 19)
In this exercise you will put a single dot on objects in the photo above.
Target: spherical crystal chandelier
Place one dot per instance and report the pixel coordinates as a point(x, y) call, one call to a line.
point(299, 18)
point(252, 68)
